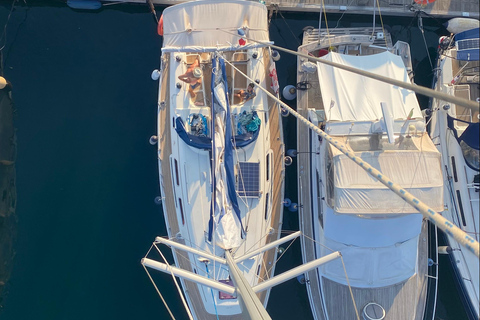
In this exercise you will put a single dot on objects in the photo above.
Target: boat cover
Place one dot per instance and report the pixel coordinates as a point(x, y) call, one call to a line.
point(357, 98)
point(467, 45)
point(239, 141)
point(203, 26)
point(417, 169)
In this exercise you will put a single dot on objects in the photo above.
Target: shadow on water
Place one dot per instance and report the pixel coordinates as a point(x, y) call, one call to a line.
point(86, 175)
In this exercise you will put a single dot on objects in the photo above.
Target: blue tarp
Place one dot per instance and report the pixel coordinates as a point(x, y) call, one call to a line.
point(470, 135)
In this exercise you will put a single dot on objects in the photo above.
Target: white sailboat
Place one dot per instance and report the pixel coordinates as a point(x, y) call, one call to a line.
point(220, 153)
point(455, 131)
point(383, 240)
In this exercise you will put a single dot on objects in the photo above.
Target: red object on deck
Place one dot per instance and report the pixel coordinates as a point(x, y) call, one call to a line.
point(424, 2)
point(322, 52)
point(160, 26)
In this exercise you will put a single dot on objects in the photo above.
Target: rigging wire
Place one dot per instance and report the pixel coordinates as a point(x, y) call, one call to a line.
point(187, 309)
point(211, 290)
point(155, 286)
point(158, 291)
point(420, 27)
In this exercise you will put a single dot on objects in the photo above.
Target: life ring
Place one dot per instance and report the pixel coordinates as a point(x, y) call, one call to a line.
point(160, 26)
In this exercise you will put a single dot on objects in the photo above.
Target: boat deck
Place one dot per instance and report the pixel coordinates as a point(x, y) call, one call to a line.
point(397, 299)
point(165, 147)
point(443, 9)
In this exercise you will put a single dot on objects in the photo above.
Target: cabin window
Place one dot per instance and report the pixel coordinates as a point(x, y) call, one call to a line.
point(223, 295)
point(454, 169)
point(180, 204)
point(319, 198)
point(460, 206)
point(329, 168)
point(268, 167)
point(176, 172)
point(471, 155)
point(267, 199)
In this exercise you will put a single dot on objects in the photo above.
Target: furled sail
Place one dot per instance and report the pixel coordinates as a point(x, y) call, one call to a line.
point(225, 221)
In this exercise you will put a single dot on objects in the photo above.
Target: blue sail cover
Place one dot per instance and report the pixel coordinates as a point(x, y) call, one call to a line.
point(470, 135)
point(468, 45)
point(205, 143)
point(227, 157)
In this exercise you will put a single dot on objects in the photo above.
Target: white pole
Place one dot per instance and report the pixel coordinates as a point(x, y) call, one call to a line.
point(281, 278)
point(188, 275)
point(458, 234)
point(189, 249)
point(273, 244)
point(246, 297)
point(402, 84)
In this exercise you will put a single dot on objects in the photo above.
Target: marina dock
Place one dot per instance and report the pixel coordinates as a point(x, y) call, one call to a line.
point(405, 8)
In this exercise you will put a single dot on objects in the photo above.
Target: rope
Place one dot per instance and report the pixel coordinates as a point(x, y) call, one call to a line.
point(381, 21)
point(326, 26)
point(350, 288)
point(445, 225)
point(211, 290)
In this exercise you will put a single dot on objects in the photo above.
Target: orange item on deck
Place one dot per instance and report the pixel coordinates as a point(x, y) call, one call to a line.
point(160, 26)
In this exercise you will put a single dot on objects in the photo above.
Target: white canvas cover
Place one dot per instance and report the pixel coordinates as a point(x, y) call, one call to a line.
point(418, 171)
point(357, 98)
point(203, 25)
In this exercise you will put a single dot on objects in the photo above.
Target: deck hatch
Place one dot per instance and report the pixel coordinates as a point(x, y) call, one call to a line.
point(248, 179)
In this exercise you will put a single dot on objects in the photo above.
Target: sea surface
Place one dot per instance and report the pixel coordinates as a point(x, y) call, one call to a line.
point(87, 176)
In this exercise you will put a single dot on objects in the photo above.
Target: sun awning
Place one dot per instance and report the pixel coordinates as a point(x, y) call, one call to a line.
point(350, 97)
point(418, 170)
point(210, 25)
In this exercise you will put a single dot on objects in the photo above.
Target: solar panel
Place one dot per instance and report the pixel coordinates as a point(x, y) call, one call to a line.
point(248, 179)
point(467, 44)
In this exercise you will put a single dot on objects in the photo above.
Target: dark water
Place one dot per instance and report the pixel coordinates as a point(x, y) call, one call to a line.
point(87, 177)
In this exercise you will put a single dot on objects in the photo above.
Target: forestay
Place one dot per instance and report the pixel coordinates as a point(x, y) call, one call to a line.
point(203, 26)
point(359, 96)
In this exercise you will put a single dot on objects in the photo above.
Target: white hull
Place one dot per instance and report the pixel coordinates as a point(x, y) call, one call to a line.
point(461, 192)
point(384, 243)
point(185, 164)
